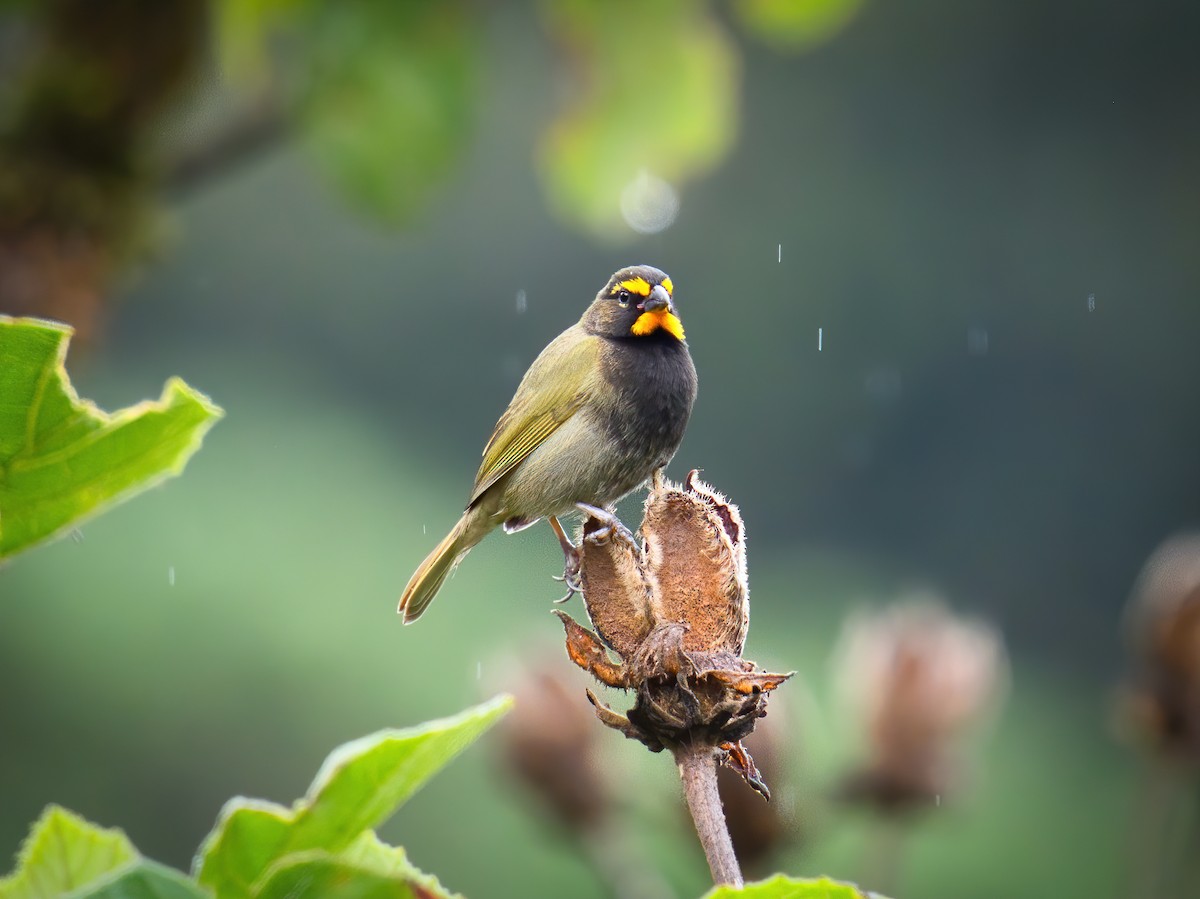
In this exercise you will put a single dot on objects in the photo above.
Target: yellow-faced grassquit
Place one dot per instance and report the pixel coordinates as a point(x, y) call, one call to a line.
point(602, 408)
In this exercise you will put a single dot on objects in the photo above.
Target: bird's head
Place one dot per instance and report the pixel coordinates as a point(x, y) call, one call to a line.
point(637, 301)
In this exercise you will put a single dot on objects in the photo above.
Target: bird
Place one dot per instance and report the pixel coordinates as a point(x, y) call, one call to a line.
point(601, 410)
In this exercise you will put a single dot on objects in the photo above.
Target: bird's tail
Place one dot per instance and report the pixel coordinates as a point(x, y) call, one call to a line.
point(431, 574)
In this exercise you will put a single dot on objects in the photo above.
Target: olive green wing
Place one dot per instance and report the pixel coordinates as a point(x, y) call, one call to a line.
point(557, 384)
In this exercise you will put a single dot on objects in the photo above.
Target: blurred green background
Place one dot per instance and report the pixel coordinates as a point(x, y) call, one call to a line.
point(938, 267)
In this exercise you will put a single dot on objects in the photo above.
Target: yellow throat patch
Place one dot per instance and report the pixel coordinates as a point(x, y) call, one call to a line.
point(649, 322)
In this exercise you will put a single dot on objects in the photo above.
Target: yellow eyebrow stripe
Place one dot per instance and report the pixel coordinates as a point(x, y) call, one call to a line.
point(666, 282)
point(640, 286)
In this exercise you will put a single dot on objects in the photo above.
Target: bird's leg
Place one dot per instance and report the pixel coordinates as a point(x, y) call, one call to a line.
point(656, 480)
point(571, 562)
point(610, 525)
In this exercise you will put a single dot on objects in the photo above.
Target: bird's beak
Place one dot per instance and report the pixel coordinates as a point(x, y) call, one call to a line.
point(657, 312)
point(657, 300)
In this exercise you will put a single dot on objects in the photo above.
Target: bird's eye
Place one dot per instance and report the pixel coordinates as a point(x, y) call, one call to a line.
point(623, 297)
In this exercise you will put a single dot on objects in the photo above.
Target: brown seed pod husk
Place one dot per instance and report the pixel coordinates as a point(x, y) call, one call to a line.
point(616, 591)
point(696, 563)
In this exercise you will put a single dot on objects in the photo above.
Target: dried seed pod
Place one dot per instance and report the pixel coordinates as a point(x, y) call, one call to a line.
point(587, 651)
point(918, 677)
point(616, 591)
point(1164, 620)
point(696, 560)
point(676, 612)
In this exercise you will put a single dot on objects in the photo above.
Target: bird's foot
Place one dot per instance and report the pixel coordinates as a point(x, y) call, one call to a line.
point(573, 586)
point(610, 525)
point(571, 561)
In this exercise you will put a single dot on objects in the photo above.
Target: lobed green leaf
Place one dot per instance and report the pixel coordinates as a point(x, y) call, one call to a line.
point(248, 838)
point(783, 887)
point(359, 786)
point(63, 460)
point(63, 852)
point(367, 869)
point(144, 880)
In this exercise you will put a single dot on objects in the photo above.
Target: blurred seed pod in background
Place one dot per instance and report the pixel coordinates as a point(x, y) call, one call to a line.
point(917, 679)
point(549, 743)
point(1162, 704)
point(550, 748)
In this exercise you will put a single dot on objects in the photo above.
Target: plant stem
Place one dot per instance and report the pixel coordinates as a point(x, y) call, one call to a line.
point(698, 771)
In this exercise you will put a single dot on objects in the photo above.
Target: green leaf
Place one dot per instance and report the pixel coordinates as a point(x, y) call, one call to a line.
point(62, 460)
point(782, 887)
point(369, 853)
point(661, 109)
point(64, 852)
point(360, 785)
point(327, 878)
point(796, 24)
point(145, 880)
point(366, 869)
point(249, 837)
point(363, 782)
point(391, 99)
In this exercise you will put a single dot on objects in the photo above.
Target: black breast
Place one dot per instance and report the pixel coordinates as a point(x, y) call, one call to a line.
point(654, 385)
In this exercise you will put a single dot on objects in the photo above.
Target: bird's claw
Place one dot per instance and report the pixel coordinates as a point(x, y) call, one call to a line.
point(570, 576)
point(573, 586)
point(571, 562)
point(610, 526)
